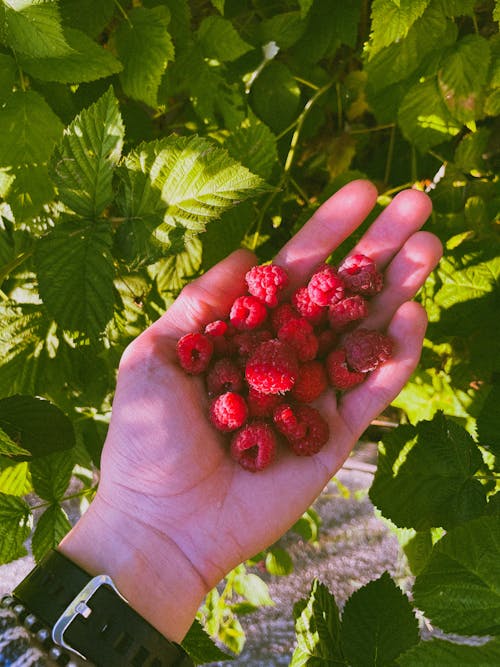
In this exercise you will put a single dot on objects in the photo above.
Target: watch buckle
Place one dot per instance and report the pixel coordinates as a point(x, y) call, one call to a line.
point(79, 607)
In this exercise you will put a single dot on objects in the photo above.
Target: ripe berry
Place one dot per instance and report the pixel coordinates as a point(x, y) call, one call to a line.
point(360, 275)
point(311, 383)
point(228, 411)
point(216, 328)
point(316, 435)
point(224, 376)
point(281, 315)
point(266, 282)
point(194, 351)
point(272, 368)
point(340, 376)
point(246, 342)
point(307, 308)
point(349, 310)
point(299, 334)
point(247, 312)
point(325, 286)
point(327, 340)
point(262, 405)
point(286, 421)
point(254, 446)
point(366, 349)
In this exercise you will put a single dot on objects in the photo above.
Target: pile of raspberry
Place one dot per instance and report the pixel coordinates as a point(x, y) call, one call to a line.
point(272, 358)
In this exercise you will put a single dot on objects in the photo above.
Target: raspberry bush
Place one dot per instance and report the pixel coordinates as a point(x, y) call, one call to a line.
point(265, 109)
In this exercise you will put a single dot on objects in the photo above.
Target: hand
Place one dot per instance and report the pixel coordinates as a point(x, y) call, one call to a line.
point(173, 513)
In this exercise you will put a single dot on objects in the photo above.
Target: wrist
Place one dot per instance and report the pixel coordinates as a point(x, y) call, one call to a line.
point(148, 568)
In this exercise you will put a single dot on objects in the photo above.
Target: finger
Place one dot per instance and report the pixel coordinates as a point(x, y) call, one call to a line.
point(404, 276)
point(407, 212)
point(207, 298)
point(326, 229)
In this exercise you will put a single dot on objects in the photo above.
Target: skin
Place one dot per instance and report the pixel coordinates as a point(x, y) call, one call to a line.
point(173, 513)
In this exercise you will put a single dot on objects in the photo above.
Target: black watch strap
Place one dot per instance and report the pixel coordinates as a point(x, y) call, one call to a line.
point(89, 616)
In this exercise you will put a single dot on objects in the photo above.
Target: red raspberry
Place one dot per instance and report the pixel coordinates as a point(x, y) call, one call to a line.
point(360, 275)
point(287, 422)
point(266, 282)
point(272, 368)
point(325, 286)
point(327, 340)
point(194, 351)
point(317, 432)
point(367, 349)
point(339, 375)
point(247, 312)
point(281, 315)
point(311, 383)
point(254, 446)
point(216, 332)
point(228, 411)
point(299, 334)
point(247, 342)
point(224, 376)
point(216, 328)
point(262, 405)
point(348, 310)
point(307, 308)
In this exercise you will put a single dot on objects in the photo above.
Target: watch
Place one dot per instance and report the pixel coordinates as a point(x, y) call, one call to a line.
point(89, 617)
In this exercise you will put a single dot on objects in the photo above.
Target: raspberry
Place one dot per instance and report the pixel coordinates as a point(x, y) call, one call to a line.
point(272, 368)
point(262, 405)
point(326, 342)
point(266, 282)
point(224, 376)
point(299, 334)
point(311, 383)
point(247, 342)
point(228, 411)
point(194, 351)
point(217, 328)
point(325, 286)
point(254, 446)
point(367, 349)
point(281, 315)
point(316, 435)
point(287, 423)
point(339, 375)
point(247, 312)
point(348, 310)
point(311, 311)
point(360, 275)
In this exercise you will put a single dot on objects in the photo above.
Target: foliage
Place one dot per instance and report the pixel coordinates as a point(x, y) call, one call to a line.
point(143, 141)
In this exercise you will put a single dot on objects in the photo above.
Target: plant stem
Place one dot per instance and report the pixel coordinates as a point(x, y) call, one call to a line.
point(79, 494)
point(365, 130)
point(123, 12)
point(390, 154)
point(8, 268)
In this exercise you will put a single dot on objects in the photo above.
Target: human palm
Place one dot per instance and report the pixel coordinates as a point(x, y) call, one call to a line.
point(166, 465)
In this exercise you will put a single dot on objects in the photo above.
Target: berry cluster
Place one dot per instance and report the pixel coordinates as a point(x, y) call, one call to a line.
point(271, 358)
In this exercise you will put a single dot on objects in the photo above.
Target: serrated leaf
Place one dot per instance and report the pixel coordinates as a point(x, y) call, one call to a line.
point(425, 474)
point(418, 549)
point(284, 29)
point(254, 145)
point(279, 562)
point(442, 653)
point(51, 475)
point(87, 61)
point(378, 624)
point(462, 75)
point(459, 590)
point(488, 422)
point(220, 40)
point(317, 626)
point(9, 448)
point(471, 150)
point(173, 272)
point(275, 96)
point(15, 479)
point(144, 47)
point(83, 163)
point(33, 27)
point(200, 646)
point(424, 118)
point(51, 527)
point(75, 275)
point(91, 16)
point(15, 526)
point(196, 178)
point(253, 588)
point(224, 236)
point(392, 20)
point(454, 8)
point(36, 424)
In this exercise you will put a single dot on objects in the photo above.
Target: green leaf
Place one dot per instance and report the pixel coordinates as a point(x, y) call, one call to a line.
point(34, 27)
point(200, 646)
point(9, 448)
point(7, 75)
point(75, 274)
point(87, 61)
point(459, 590)
point(492, 103)
point(392, 19)
point(488, 422)
point(442, 653)
point(15, 526)
point(317, 626)
point(51, 475)
point(198, 180)
point(15, 479)
point(51, 527)
point(470, 152)
point(144, 47)
point(36, 424)
point(424, 118)
point(378, 624)
point(253, 588)
point(224, 236)
point(254, 145)
point(91, 16)
point(308, 525)
point(220, 40)
point(279, 562)
point(83, 163)
point(454, 8)
point(284, 29)
point(173, 272)
point(418, 549)
point(462, 75)
point(425, 474)
point(275, 96)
